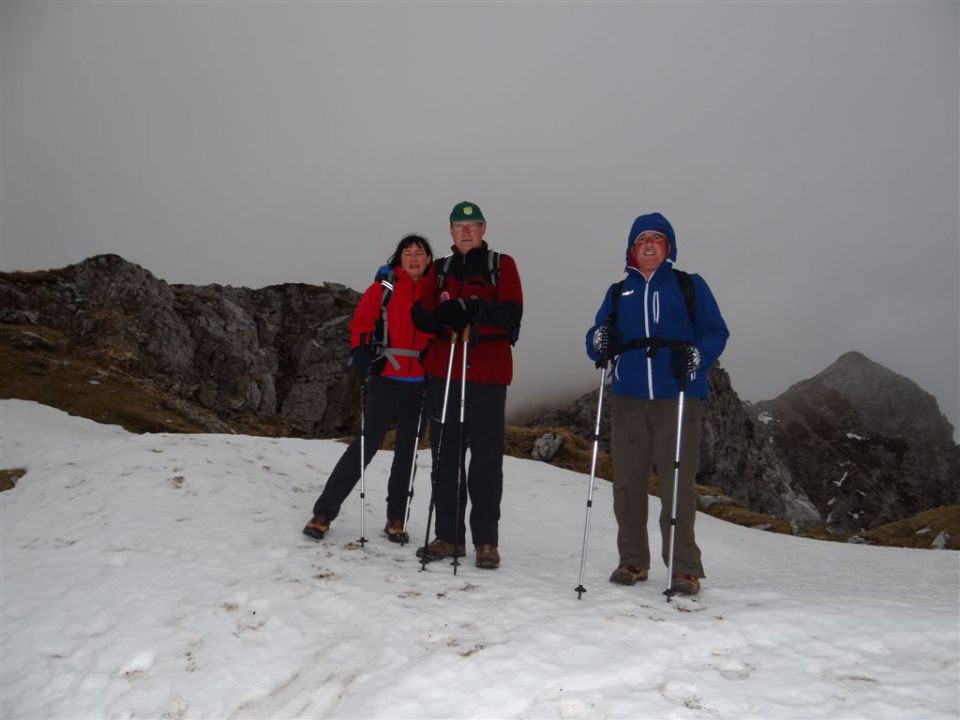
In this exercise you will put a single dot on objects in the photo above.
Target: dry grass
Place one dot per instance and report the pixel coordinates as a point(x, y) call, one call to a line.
point(50, 373)
point(38, 364)
point(920, 530)
point(9, 477)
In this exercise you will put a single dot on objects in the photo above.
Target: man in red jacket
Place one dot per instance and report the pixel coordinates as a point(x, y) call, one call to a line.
point(475, 290)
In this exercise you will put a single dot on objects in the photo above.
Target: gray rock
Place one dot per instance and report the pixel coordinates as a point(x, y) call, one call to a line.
point(546, 446)
point(705, 502)
point(941, 541)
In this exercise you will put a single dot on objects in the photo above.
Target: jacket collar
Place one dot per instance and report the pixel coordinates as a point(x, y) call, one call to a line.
point(665, 267)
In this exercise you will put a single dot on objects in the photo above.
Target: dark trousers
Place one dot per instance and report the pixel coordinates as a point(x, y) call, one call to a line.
point(388, 402)
point(644, 436)
point(483, 434)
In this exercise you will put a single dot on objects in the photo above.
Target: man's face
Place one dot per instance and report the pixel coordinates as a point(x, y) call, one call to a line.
point(414, 260)
point(649, 250)
point(467, 235)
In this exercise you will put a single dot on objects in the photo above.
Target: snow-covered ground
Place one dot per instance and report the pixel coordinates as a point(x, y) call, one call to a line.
point(165, 576)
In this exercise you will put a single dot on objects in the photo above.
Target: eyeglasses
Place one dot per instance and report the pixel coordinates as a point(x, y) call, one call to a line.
point(654, 239)
point(466, 225)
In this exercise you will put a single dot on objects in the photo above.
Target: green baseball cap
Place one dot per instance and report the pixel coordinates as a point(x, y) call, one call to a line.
point(466, 212)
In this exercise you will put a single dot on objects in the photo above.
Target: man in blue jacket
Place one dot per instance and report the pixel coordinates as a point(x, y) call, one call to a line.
point(662, 330)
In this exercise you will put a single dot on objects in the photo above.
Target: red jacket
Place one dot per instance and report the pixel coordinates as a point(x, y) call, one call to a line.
point(400, 328)
point(489, 357)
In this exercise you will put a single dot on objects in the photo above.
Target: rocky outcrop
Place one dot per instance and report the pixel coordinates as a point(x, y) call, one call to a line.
point(868, 446)
point(277, 351)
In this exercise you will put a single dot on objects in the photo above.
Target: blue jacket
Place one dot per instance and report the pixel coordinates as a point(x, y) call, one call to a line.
point(657, 309)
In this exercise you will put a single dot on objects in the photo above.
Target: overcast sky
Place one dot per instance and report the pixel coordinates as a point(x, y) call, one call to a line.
point(808, 155)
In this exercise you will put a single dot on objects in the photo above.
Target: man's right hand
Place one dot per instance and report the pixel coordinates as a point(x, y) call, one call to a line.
point(452, 314)
point(607, 341)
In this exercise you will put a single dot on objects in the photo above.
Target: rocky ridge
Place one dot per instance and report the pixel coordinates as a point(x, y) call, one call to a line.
point(277, 353)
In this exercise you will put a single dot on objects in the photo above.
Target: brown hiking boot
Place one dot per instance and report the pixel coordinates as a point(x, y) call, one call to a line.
point(685, 584)
point(439, 549)
point(317, 527)
point(487, 557)
point(628, 574)
point(395, 533)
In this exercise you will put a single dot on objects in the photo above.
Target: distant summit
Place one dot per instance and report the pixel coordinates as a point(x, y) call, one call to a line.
point(886, 403)
point(866, 445)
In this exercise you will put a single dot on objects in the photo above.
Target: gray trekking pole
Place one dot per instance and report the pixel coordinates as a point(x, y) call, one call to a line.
point(593, 474)
point(463, 395)
point(413, 467)
point(676, 485)
point(363, 449)
point(436, 459)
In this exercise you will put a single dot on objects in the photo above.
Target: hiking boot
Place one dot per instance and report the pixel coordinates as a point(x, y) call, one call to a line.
point(395, 533)
point(487, 557)
point(439, 549)
point(685, 584)
point(628, 574)
point(317, 527)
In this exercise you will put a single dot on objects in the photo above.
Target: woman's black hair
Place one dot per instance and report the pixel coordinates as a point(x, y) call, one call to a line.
point(409, 240)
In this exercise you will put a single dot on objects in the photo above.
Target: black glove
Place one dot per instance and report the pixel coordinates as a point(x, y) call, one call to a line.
point(452, 314)
point(608, 341)
point(471, 308)
point(684, 359)
point(361, 357)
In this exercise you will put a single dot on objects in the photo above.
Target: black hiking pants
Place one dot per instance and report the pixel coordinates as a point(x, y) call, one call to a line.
point(388, 402)
point(483, 434)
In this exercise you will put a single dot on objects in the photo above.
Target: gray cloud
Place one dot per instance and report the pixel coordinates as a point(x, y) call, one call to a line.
point(807, 154)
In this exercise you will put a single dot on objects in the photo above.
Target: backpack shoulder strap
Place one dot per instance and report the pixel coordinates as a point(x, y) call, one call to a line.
point(493, 267)
point(615, 301)
point(442, 271)
point(689, 294)
point(387, 282)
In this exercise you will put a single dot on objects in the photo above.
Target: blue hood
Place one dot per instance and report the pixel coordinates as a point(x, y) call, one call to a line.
point(657, 223)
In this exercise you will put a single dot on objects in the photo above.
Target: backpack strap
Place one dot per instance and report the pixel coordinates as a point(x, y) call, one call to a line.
point(387, 283)
point(689, 294)
point(442, 272)
point(615, 302)
point(493, 267)
point(491, 272)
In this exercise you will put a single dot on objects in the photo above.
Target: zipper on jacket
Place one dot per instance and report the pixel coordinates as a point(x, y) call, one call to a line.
point(646, 331)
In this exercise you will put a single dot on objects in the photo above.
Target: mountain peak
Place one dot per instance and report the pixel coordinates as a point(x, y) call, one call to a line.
point(887, 403)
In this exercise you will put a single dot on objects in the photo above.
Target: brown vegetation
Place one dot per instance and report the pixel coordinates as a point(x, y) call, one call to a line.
point(38, 364)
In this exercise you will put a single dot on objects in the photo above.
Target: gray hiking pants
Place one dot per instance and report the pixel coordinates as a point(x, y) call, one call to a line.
point(644, 437)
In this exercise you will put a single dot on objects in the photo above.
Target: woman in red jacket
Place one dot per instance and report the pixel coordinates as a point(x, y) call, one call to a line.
point(386, 347)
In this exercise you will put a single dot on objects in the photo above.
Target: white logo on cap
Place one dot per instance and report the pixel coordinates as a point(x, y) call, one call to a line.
point(467, 210)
